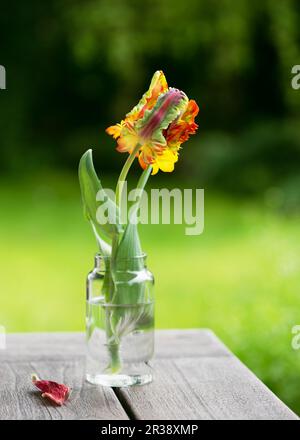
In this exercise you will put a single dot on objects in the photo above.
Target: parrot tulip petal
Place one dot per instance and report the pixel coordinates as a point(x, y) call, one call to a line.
point(157, 126)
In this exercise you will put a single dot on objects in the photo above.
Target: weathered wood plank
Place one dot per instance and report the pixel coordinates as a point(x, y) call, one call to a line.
point(168, 344)
point(35, 346)
point(191, 387)
point(196, 377)
point(61, 358)
point(190, 343)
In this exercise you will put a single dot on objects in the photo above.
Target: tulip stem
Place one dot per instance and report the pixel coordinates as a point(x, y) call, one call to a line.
point(115, 364)
point(119, 191)
point(124, 173)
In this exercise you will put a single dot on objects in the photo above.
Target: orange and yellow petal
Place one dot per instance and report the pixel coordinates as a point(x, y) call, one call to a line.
point(191, 112)
point(128, 139)
point(158, 86)
point(115, 130)
point(155, 168)
point(180, 130)
point(166, 161)
point(180, 133)
point(144, 165)
point(146, 156)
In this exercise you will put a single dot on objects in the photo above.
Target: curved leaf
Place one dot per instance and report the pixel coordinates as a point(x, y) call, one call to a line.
point(91, 186)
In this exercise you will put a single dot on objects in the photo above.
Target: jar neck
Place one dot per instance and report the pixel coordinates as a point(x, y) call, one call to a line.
point(102, 263)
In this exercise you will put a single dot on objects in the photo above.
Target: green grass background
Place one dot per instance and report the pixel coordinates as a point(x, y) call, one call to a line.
point(240, 278)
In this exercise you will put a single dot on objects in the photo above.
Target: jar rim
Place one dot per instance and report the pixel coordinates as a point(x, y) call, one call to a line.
point(108, 257)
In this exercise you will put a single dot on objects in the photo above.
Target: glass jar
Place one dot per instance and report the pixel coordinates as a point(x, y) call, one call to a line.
point(119, 322)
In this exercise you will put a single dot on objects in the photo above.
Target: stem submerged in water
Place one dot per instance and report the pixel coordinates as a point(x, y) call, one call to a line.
point(115, 364)
point(113, 347)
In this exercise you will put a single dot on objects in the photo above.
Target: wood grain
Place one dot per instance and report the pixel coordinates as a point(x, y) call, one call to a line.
point(195, 377)
point(61, 358)
point(202, 380)
point(171, 344)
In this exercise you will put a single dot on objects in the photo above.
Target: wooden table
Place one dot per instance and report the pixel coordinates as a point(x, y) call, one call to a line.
point(196, 377)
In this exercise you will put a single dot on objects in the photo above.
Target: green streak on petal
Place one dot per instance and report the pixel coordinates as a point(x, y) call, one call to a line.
point(167, 109)
point(154, 81)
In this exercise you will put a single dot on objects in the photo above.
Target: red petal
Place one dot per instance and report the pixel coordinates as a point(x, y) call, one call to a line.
point(54, 391)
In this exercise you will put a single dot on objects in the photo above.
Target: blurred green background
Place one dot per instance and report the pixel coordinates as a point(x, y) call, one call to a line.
point(75, 67)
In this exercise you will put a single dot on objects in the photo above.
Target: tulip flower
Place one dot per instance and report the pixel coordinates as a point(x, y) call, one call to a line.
point(157, 126)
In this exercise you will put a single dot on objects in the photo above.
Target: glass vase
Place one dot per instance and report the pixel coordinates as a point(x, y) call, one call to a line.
point(119, 322)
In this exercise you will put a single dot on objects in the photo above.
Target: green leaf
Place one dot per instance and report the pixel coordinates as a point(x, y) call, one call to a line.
point(91, 186)
point(130, 245)
point(128, 259)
